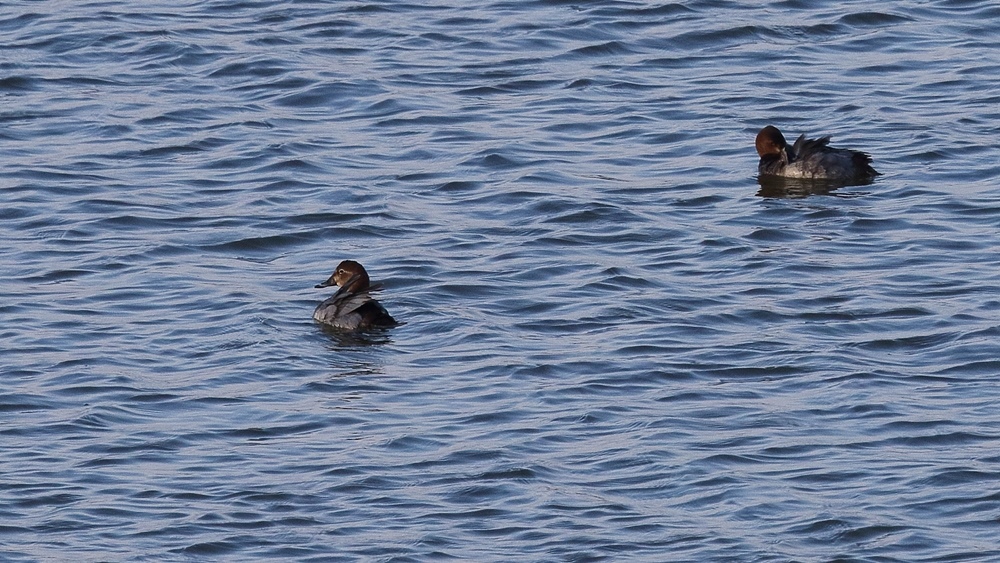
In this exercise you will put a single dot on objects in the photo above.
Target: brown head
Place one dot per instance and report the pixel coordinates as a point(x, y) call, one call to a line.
point(350, 276)
point(770, 142)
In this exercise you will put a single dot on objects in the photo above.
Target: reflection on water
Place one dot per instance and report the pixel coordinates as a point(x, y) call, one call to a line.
point(780, 187)
point(356, 338)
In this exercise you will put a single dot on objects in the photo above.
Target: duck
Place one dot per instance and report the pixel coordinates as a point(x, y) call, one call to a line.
point(810, 159)
point(352, 308)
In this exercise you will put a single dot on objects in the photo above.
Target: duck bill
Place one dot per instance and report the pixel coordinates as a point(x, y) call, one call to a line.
point(327, 283)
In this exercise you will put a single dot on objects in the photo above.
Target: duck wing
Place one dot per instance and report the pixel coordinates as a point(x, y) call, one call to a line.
point(804, 148)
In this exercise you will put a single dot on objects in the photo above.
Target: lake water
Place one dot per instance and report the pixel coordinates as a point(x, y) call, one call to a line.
point(616, 347)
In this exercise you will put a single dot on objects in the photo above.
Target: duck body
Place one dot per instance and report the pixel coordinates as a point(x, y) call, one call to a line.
point(810, 159)
point(352, 307)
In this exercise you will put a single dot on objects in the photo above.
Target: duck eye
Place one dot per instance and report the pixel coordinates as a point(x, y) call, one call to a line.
point(341, 271)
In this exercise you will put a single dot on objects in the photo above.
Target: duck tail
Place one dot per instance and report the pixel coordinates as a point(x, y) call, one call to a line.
point(863, 161)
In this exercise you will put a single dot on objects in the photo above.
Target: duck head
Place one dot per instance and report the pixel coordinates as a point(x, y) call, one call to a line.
point(350, 276)
point(770, 142)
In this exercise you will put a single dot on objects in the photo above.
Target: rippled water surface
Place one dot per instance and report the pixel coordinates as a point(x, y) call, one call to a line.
point(618, 346)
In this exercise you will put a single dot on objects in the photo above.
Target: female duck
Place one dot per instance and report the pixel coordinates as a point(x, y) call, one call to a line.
point(352, 308)
point(810, 159)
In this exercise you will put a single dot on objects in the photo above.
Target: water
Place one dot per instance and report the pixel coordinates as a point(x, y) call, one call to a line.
point(615, 348)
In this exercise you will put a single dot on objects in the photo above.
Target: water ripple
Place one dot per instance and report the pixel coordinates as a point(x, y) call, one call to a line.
point(617, 344)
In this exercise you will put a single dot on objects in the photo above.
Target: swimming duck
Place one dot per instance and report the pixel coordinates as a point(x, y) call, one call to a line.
point(810, 159)
point(352, 308)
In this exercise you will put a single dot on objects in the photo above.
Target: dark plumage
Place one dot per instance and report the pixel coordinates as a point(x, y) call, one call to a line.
point(352, 308)
point(811, 159)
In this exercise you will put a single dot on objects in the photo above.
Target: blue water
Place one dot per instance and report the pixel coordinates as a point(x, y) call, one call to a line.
point(616, 347)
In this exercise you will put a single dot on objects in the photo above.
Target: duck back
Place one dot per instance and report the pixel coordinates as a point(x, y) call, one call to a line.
point(353, 311)
point(815, 159)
